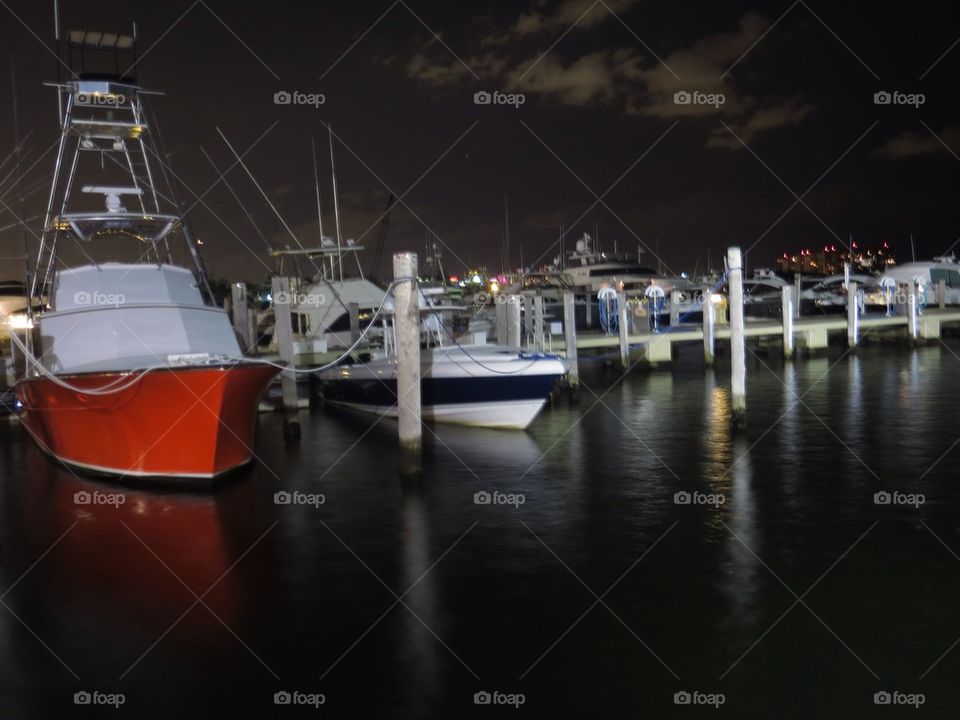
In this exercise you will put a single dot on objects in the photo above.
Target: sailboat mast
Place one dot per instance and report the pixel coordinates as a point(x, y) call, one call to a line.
point(506, 229)
point(336, 204)
point(316, 182)
point(18, 148)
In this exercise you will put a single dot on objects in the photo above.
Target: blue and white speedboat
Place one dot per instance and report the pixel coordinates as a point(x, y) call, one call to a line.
point(490, 386)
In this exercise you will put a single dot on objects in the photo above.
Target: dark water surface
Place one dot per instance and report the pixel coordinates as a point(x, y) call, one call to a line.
point(599, 597)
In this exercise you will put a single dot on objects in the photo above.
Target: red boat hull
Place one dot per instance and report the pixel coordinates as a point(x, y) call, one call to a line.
point(190, 422)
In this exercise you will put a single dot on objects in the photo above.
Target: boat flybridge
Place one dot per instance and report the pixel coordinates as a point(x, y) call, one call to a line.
point(133, 369)
point(320, 304)
point(590, 268)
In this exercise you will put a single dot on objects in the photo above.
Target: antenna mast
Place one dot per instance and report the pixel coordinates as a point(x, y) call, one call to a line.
point(336, 203)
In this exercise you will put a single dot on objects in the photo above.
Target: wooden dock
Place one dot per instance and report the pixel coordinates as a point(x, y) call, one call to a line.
point(810, 333)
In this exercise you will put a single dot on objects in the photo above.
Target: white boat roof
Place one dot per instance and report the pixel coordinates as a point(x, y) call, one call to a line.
point(125, 283)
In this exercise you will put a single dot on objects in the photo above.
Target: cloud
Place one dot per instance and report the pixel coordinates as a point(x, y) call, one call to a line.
point(913, 144)
point(789, 112)
point(627, 78)
point(586, 80)
point(583, 13)
point(699, 68)
point(438, 74)
point(449, 72)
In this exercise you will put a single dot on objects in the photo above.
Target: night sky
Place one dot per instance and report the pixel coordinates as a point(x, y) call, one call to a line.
point(599, 81)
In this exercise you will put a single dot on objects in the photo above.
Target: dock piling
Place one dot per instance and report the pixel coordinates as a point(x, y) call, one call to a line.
point(527, 334)
point(787, 311)
point(942, 293)
point(623, 319)
point(738, 360)
point(570, 337)
point(513, 320)
point(408, 360)
point(709, 322)
point(913, 311)
point(588, 302)
point(853, 316)
point(538, 324)
point(283, 327)
point(500, 303)
point(798, 294)
point(674, 308)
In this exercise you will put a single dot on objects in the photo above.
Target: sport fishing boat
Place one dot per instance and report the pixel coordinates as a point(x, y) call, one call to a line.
point(490, 386)
point(134, 371)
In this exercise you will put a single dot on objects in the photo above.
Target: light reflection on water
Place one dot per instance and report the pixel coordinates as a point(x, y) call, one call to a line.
point(599, 482)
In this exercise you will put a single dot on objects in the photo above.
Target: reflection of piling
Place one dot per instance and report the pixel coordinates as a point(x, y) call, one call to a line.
point(738, 352)
point(570, 337)
point(283, 327)
point(407, 318)
point(853, 316)
point(709, 310)
point(787, 315)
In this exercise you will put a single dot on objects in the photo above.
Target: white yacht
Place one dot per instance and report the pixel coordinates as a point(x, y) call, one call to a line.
point(491, 386)
point(929, 274)
point(586, 267)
